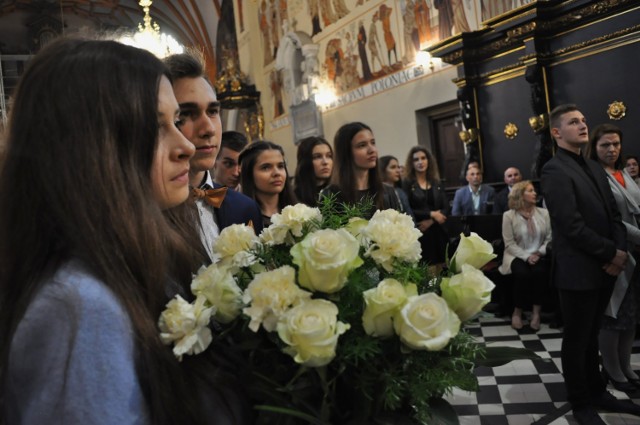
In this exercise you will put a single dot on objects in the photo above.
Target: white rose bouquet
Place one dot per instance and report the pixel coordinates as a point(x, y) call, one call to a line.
point(333, 319)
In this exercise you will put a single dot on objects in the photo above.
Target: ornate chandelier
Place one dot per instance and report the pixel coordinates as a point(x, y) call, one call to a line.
point(150, 38)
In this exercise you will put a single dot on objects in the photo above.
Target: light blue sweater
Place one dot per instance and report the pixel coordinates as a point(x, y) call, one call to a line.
point(72, 357)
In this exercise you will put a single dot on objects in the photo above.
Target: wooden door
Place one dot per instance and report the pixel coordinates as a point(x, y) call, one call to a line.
point(449, 149)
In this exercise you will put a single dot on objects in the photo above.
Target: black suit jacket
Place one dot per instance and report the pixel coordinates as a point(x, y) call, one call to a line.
point(501, 201)
point(585, 223)
point(238, 208)
point(418, 200)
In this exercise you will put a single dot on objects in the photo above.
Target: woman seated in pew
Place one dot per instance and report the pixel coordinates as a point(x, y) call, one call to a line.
point(526, 231)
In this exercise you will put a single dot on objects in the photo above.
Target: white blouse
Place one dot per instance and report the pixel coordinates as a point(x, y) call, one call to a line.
point(518, 243)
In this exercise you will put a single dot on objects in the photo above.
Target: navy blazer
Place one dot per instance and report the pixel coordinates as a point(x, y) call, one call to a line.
point(585, 222)
point(238, 208)
point(463, 203)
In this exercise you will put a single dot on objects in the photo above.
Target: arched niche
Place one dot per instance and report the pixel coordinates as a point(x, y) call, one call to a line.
point(297, 60)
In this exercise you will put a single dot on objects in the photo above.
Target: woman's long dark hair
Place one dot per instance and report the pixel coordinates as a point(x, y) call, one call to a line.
point(247, 161)
point(433, 176)
point(383, 163)
point(306, 187)
point(343, 175)
point(592, 152)
point(76, 183)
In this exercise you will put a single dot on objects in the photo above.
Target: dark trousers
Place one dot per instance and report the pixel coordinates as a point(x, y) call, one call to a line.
point(582, 312)
point(530, 282)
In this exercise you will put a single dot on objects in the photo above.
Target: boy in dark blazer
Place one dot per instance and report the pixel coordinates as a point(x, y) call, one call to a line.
point(200, 123)
point(589, 251)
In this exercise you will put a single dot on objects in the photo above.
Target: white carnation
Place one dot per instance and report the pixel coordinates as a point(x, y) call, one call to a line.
point(218, 286)
point(186, 325)
point(235, 246)
point(269, 295)
point(391, 235)
point(296, 217)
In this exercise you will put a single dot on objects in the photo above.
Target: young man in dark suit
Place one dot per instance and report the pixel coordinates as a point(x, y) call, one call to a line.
point(200, 123)
point(589, 251)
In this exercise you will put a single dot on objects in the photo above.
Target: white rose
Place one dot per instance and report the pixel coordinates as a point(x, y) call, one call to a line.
point(382, 303)
point(392, 235)
point(472, 250)
point(311, 331)
point(234, 245)
point(426, 323)
point(186, 325)
point(325, 258)
point(467, 292)
point(296, 217)
point(269, 295)
point(218, 286)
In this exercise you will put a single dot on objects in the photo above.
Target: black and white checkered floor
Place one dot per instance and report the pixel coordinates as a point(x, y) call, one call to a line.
point(525, 392)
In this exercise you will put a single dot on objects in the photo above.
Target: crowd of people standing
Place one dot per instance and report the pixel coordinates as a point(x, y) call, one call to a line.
point(133, 191)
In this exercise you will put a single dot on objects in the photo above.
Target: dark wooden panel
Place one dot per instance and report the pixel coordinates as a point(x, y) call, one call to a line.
point(594, 81)
point(540, 56)
point(499, 104)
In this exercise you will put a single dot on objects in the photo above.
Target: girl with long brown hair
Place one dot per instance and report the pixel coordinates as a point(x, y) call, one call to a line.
point(91, 248)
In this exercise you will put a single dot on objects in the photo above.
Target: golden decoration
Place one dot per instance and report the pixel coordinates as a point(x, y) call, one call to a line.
point(595, 9)
point(521, 30)
point(469, 136)
point(254, 125)
point(230, 78)
point(453, 57)
point(501, 70)
point(513, 37)
point(149, 36)
point(511, 131)
point(616, 110)
point(538, 122)
point(599, 40)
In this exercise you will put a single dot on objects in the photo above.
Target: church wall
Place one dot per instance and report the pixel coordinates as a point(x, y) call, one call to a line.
point(390, 114)
point(391, 110)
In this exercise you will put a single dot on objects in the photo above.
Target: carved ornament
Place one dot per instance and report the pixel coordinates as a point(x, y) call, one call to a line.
point(538, 122)
point(510, 131)
point(594, 41)
point(579, 15)
point(616, 110)
point(521, 30)
point(469, 136)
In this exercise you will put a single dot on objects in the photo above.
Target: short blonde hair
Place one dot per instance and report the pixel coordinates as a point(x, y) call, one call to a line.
point(516, 196)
